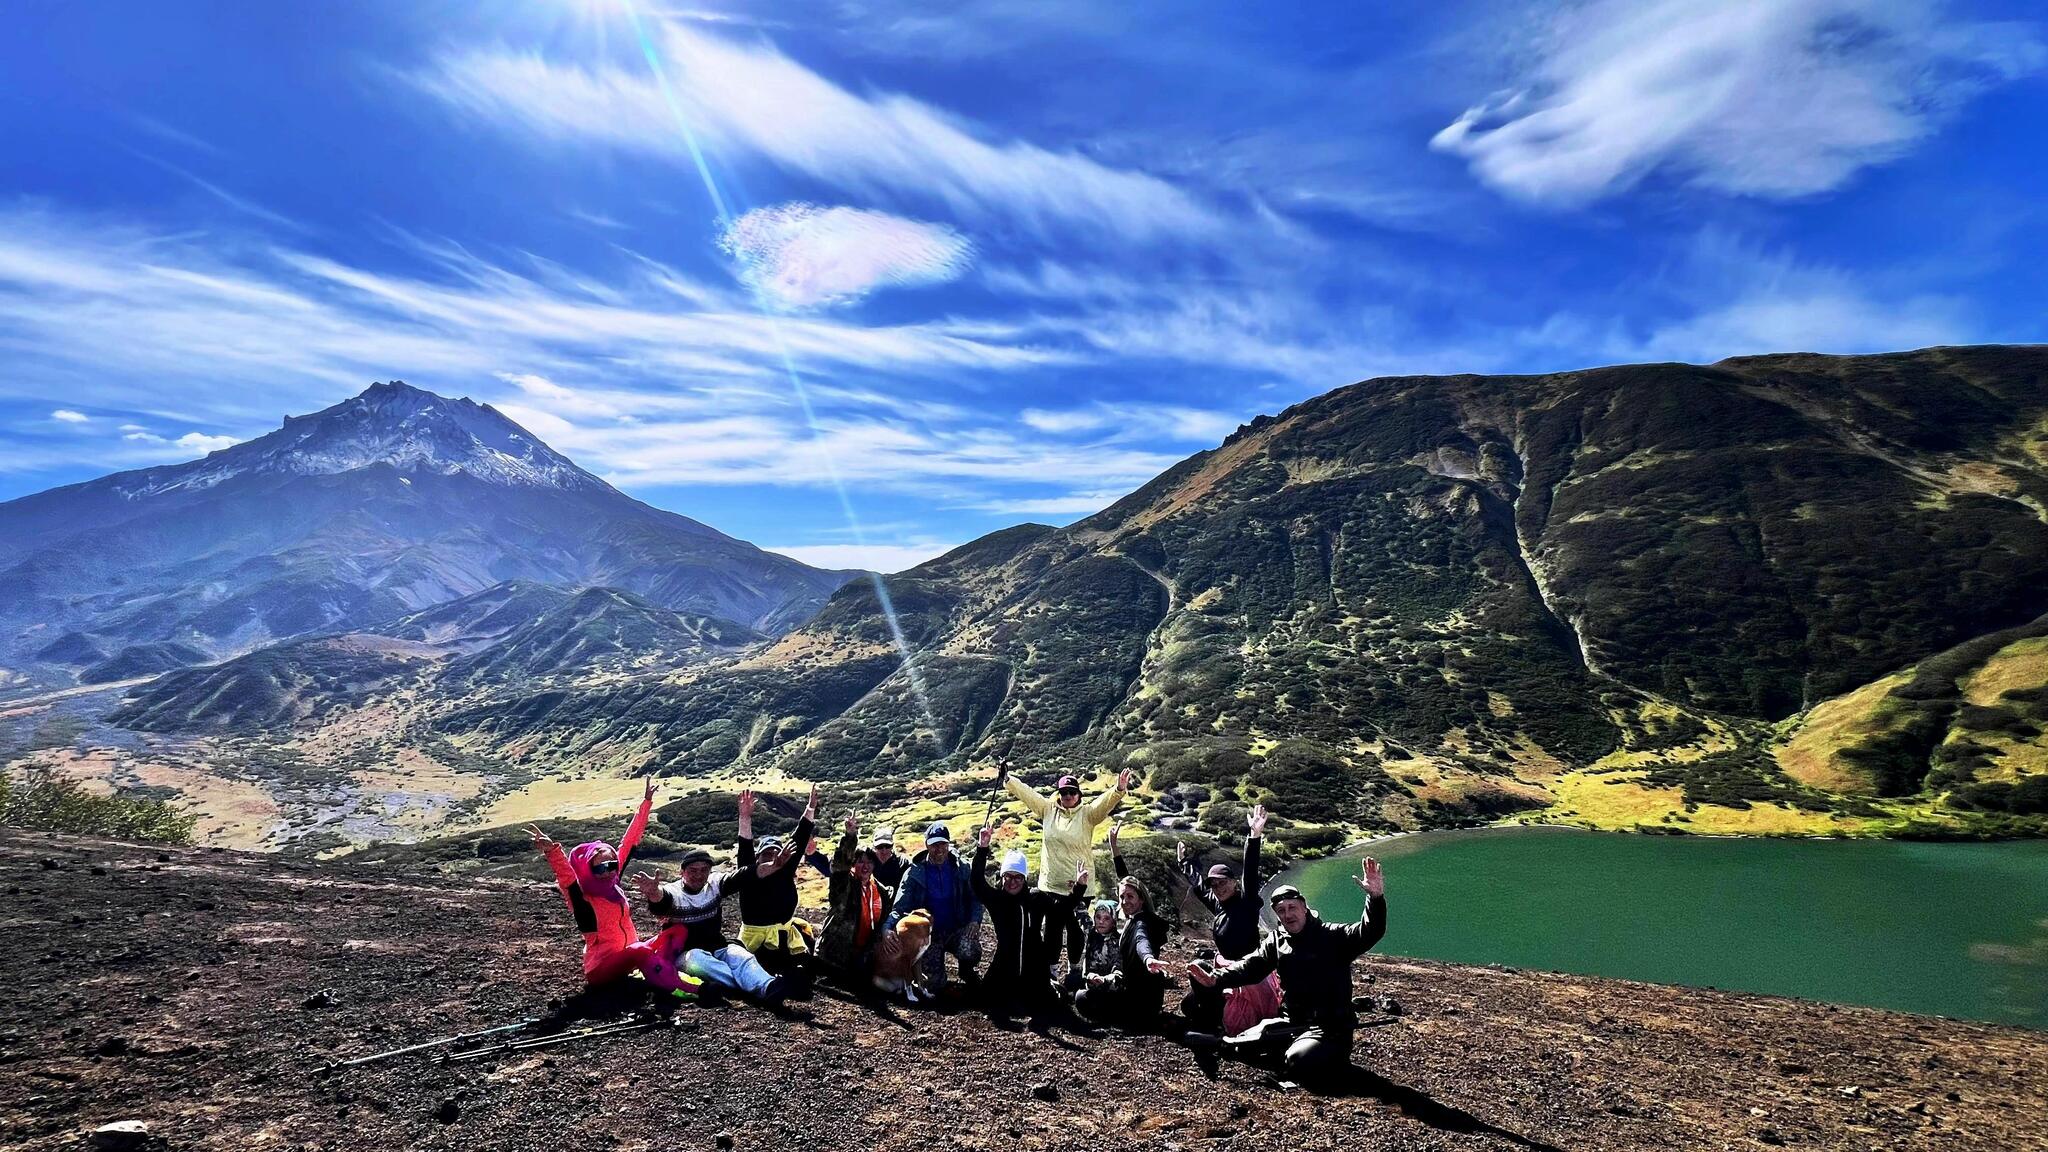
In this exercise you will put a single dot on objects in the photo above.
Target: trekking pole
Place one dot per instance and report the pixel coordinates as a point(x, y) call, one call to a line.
point(546, 1041)
point(455, 1039)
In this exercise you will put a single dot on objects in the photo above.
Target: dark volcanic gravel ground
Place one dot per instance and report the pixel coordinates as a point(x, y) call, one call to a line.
point(185, 992)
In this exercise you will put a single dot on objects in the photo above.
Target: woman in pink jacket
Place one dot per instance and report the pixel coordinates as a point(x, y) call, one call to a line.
point(588, 876)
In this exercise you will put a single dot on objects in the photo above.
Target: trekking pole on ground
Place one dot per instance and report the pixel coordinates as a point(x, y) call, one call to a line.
point(545, 1041)
point(421, 1047)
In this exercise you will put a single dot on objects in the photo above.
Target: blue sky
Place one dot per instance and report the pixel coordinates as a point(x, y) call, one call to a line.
point(1019, 255)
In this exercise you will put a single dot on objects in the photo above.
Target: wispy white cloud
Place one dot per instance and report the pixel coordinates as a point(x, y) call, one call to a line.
point(1073, 504)
point(798, 256)
point(1772, 98)
point(1125, 420)
point(874, 557)
point(68, 416)
point(751, 100)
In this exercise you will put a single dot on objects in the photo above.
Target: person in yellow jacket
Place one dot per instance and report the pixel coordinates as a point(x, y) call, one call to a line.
point(1067, 846)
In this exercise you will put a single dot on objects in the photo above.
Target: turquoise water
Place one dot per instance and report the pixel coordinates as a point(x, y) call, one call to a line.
point(1950, 929)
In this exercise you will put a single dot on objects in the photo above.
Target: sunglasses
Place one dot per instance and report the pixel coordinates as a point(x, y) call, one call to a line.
point(600, 867)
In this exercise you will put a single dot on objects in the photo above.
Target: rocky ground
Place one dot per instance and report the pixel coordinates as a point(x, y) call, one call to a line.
point(200, 993)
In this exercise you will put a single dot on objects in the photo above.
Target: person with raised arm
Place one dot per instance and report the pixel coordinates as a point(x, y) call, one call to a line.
point(696, 900)
point(857, 906)
point(1232, 898)
point(1313, 1034)
point(1130, 992)
point(766, 883)
point(1015, 983)
point(588, 877)
point(1066, 844)
point(936, 884)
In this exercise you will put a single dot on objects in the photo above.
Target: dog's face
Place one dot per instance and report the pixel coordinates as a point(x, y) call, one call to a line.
point(914, 932)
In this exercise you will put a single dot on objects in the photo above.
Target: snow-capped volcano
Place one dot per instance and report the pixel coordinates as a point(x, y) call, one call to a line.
point(386, 503)
point(390, 424)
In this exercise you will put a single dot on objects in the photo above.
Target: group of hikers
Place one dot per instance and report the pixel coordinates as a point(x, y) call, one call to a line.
point(1281, 993)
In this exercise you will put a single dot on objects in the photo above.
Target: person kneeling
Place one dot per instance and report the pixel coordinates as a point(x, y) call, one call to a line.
point(1313, 1034)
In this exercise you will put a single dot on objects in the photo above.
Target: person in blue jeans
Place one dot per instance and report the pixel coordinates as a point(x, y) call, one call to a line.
point(937, 882)
point(697, 900)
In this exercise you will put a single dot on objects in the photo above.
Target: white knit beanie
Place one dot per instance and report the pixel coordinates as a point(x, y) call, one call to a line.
point(1014, 862)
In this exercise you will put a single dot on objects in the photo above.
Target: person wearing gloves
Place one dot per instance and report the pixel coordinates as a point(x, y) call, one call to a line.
point(1232, 898)
point(1067, 842)
point(1313, 1034)
point(857, 908)
point(588, 877)
point(1015, 983)
point(766, 883)
point(936, 883)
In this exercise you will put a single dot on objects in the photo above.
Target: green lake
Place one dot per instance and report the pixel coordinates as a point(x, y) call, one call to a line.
point(1950, 929)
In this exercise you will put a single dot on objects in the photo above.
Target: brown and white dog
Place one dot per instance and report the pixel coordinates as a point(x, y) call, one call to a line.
point(897, 954)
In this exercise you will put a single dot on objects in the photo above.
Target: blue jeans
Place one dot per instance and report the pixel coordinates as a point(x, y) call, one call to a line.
point(730, 967)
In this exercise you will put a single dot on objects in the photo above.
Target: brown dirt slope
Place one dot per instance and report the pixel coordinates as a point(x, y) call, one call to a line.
point(183, 989)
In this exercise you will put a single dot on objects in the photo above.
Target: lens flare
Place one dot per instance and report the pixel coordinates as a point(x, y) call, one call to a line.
point(720, 205)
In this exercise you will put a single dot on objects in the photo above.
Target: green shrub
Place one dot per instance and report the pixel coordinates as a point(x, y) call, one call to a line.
point(48, 803)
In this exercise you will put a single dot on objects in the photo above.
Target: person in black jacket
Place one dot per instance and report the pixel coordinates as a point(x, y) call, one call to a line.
point(1015, 982)
point(889, 865)
point(766, 883)
point(1313, 1034)
point(1131, 996)
point(1231, 897)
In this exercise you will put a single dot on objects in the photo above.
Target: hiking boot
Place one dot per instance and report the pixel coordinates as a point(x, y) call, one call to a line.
point(776, 992)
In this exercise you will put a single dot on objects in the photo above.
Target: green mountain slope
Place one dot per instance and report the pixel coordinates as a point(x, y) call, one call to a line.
point(1426, 600)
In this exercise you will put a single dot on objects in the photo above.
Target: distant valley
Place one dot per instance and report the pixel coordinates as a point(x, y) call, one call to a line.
point(1776, 595)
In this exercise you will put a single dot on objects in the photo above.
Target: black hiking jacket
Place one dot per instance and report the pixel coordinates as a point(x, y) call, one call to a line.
point(766, 901)
point(1236, 924)
point(1314, 966)
point(1019, 922)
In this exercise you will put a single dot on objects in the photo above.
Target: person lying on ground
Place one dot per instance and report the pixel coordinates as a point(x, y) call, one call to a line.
point(766, 883)
point(1232, 898)
point(1067, 841)
point(1314, 1031)
point(1130, 995)
point(1015, 983)
point(936, 883)
point(696, 900)
point(588, 876)
point(888, 865)
point(857, 907)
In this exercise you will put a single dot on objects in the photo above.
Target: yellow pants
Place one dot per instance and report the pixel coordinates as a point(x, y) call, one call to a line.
point(793, 937)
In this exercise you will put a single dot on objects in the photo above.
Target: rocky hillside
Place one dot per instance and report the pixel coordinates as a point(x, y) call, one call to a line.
point(385, 504)
point(1604, 595)
point(199, 994)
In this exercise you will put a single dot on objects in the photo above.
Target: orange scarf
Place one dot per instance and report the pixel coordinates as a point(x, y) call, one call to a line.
point(870, 913)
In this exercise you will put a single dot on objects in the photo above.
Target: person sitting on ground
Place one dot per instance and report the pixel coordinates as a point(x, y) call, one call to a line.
point(766, 882)
point(936, 883)
point(696, 899)
point(1015, 983)
point(1233, 899)
point(888, 865)
point(588, 876)
point(1129, 996)
point(1067, 842)
point(1314, 1031)
point(1099, 950)
point(857, 909)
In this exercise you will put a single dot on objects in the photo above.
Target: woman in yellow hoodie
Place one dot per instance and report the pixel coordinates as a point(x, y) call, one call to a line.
point(1067, 839)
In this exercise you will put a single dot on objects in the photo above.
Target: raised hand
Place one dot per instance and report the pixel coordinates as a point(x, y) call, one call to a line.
point(1081, 880)
point(1370, 879)
point(853, 824)
point(1180, 851)
point(811, 809)
point(649, 886)
point(1002, 771)
point(1114, 830)
point(1200, 974)
point(1256, 821)
point(746, 803)
point(649, 793)
point(982, 837)
point(1123, 780)
point(541, 840)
